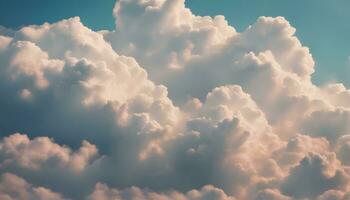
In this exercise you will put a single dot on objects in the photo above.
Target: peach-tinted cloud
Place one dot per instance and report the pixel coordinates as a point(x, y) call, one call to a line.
point(174, 106)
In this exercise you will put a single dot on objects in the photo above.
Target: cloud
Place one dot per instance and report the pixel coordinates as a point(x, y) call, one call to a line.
point(342, 149)
point(13, 187)
point(167, 46)
point(6, 31)
point(269, 194)
point(42, 152)
point(103, 192)
point(183, 108)
point(334, 194)
point(313, 176)
point(329, 124)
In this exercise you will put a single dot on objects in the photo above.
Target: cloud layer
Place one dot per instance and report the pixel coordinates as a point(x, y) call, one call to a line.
point(169, 105)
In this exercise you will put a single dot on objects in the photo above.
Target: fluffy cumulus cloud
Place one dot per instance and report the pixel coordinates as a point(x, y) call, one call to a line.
point(41, 152)
point(169, 105)
point(13, 187)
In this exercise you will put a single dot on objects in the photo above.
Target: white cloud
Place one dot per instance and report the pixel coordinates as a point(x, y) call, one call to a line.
point(242, 115)
point(42, 152)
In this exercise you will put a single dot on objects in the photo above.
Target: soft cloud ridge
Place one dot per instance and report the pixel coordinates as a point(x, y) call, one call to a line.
point(169, 105)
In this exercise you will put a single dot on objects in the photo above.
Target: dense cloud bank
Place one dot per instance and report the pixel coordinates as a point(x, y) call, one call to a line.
point(168, 106)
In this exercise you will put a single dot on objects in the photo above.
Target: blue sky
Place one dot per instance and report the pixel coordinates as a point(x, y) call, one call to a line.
point(322, 25)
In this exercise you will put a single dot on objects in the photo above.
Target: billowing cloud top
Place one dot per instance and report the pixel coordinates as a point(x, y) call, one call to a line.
point(169, 105)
